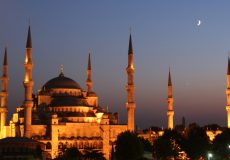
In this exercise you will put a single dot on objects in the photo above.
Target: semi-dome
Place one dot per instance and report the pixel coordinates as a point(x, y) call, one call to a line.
point(61, 82)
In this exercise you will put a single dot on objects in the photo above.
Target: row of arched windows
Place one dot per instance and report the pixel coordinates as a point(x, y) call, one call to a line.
point(81, 145)
point(70, 109)
point(66, 92)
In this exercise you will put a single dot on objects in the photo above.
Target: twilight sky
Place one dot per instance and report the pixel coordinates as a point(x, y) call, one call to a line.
point(164, 34)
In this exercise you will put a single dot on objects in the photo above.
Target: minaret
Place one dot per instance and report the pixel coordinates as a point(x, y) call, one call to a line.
point(92, 98)
point(89, 83)
point(228, 93)
point(28, 85)
point(130, 88)
point(4, 94)
point(170, 112)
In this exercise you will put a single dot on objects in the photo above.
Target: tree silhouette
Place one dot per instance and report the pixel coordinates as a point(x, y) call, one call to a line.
point(91, 154)
point(197, 142)
point(70, 154)
point(147, 145)
point(168, 145)
point(38, 152)
point(221, 145)
point(128, 146)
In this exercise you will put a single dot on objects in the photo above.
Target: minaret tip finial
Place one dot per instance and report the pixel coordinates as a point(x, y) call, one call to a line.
point(107, 109)
point(29, 21)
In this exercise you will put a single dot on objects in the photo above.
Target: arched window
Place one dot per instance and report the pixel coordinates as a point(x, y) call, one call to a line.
point(80, 145)
point(60, 145)
point(86, 145)
point(48, 145)
point(75, 145)
point(91, 145)
point(100, 145)
point(95, 145)
point(49, 156)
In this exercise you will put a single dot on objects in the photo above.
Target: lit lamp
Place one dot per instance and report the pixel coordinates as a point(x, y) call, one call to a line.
point(210, 156)
point(229, 149)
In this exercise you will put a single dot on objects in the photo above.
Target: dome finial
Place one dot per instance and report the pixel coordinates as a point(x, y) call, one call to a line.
point(61, 70)
point(107, 109)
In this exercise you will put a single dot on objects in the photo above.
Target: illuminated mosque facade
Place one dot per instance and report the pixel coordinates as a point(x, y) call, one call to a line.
point(62, 114)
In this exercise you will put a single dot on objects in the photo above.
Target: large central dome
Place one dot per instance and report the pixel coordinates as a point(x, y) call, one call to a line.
point(61, 82)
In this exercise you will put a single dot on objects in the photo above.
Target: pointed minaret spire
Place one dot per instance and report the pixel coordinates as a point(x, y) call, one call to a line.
point(228, 70)
point(28, 85)
point(29, 39)
point(130, 45)
point(89, 83)
point(89, 60)
point(5, 58)
point(169, 80)
point(170, 112)
point(4, 96)
point(130, 88)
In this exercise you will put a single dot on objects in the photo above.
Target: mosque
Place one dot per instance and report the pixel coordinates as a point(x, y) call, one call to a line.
point(62, 114)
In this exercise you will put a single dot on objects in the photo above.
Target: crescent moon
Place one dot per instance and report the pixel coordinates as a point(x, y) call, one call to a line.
point(199, 23)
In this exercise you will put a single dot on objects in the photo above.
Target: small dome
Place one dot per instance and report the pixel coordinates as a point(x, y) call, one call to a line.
point(61, 82)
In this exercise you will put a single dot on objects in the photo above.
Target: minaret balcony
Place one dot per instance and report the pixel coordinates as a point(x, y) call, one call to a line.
point(3, 94)
point(130, 105)
point(28, 103)
point(130, 87)
point(228, 91)
point(29, 83)
point(89, 82)
point(228, 108)
point(130, 69)
point(28, 65)
point(4, 78)
point(170, 113)
point(3, 109)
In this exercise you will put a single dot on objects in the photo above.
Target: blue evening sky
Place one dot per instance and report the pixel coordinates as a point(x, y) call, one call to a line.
point(164, 34)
